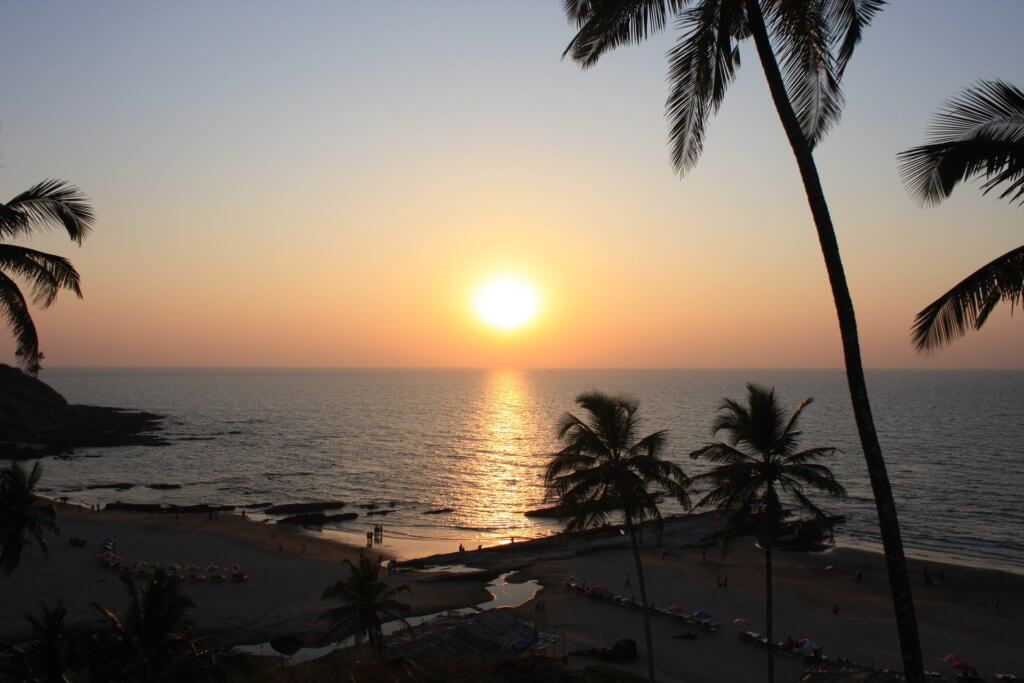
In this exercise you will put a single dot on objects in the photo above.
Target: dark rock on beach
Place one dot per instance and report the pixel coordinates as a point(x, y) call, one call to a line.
point(297, 508)
point(317, 518)
point(372, 513)
point(163, 487)
point(135, 507)
point(35, 421)
point(438, 511)
point(117, 487)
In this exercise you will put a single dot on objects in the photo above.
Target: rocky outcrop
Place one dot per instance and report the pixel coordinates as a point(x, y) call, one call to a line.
point(202, 508)
point(297, 508)
point(317, 518)
point(35, 421)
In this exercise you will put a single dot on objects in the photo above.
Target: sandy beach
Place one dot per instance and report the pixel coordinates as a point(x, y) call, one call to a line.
point(287, 571)
point(289, 568)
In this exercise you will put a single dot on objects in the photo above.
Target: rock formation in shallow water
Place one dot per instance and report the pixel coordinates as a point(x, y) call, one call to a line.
point(296, 508)
point(317, 518)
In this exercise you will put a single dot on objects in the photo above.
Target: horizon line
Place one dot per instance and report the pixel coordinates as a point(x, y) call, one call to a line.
point(535, 368)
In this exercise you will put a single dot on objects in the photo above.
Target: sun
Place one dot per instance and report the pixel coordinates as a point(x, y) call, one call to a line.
point(506, 302)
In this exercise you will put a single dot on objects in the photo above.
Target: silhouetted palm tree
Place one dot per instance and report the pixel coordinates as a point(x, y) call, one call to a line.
point(604, 469)
point(814, 41)
point(24, 518)
point(979, 134)
point(49, 203)
point(366, 603)
point(51, 650)
point(154, 632)
point(758, 468)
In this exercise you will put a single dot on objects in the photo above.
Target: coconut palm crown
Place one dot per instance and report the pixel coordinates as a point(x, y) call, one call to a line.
point(366, 603)
point(44, 205)
point(758, 467)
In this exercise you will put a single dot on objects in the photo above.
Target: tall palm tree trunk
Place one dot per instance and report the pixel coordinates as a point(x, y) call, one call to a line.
point(768, 611)
point(899, 580)
point(643, 598)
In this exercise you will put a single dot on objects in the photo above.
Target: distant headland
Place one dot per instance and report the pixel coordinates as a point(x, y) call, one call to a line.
point(35, 420)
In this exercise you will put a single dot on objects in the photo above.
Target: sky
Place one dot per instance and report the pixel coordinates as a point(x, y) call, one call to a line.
point(327, 183)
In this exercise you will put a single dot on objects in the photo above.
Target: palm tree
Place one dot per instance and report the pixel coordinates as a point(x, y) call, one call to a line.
point(23, 517)
point(51, 650)
point(49, 203)
point(757, 469)
point(979, 134)
point(814, 41)
point(604, 469)
point(154, 633)
point(366, 603)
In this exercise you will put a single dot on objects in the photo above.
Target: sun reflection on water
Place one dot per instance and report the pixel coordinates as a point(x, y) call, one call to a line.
point(502, 478)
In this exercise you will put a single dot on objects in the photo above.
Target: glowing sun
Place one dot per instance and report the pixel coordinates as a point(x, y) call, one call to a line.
point(506, 302)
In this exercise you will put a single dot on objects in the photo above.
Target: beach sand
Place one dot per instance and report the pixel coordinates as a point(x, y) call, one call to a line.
point(287, 569)
point(957, 616)
point(283, 595)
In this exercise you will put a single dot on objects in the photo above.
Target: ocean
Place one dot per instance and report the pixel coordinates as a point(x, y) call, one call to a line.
point(476, 441)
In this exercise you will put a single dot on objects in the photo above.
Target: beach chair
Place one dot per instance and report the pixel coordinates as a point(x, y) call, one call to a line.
point(1006, 677)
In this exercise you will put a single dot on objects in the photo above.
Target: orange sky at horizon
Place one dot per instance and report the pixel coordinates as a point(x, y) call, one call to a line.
point(316, 203)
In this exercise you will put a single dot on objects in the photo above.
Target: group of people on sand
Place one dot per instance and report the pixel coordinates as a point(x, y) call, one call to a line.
point(375, 536)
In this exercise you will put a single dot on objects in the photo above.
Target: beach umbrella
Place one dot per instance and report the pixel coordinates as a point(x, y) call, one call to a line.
point(701, 615)
point(742, 621)
point(949, 659)
point(807, 644)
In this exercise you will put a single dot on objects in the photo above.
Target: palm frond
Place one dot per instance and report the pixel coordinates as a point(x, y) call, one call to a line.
point(721, 453)
point(51, 202)
point(47, 273)
point(803, 40)
point(606, 24)
point(978, 134)
point(967, 305)
point(15, 312)
point(790, 435)
point(848, 19)
point(702, 64)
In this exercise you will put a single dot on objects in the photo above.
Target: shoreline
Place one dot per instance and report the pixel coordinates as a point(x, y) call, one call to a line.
point(408, 546)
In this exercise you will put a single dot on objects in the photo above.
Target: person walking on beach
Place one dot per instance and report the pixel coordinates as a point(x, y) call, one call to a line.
point(860, 575)
point(627, 585)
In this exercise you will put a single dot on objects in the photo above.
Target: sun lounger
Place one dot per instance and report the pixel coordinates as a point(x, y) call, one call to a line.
point(1006, 677)
point(932, 674)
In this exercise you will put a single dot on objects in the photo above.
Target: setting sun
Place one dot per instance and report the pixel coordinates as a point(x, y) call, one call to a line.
point(506, 302)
